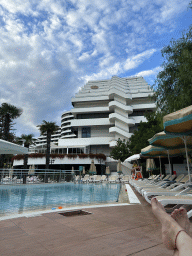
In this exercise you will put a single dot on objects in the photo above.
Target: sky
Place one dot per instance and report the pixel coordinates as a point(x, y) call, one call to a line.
point(49, 49)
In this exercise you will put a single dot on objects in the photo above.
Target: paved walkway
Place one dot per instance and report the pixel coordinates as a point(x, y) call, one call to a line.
point(108, 231)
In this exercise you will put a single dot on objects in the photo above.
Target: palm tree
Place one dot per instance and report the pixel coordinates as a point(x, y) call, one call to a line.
point(48, 128)
point(28, 140)
point(8, 112)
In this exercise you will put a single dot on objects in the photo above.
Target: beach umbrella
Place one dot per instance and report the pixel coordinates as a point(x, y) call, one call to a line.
point(171, 141)
point(92, 169)
point(150, 165)
point(119, 167)
point(107, 171)
point(133, 158)
point(159, 152)
point(151, 151)
point(179, 122)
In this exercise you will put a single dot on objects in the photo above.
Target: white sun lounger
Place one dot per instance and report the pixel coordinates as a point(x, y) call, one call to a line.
point(103, 178)
point(86, 178)
point(113, 179)
point(97, 178)
point(154, 184)
point(168, 184)
point(125, 179)
point(182, 188)
point(184, 199)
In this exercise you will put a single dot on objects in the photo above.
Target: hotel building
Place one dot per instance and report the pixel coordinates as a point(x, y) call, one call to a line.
point(103, 111)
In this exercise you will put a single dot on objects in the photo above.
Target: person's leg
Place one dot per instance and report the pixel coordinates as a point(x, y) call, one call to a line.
point(170, 229)
point(180, 215)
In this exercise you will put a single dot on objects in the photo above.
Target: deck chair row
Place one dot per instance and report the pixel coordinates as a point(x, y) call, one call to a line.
point(170, 190)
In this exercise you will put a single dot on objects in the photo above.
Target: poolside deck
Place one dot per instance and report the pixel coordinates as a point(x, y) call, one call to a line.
point(109, 231)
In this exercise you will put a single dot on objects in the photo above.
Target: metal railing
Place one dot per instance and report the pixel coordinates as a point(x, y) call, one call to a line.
point(26, 176)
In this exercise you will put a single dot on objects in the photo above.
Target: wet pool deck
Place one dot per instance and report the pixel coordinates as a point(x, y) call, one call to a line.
point(108, 231)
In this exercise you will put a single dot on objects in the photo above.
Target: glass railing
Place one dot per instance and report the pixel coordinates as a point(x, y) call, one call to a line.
point(27, 176)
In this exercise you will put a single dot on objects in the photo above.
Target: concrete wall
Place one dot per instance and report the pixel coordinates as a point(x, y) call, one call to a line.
point(179, 168)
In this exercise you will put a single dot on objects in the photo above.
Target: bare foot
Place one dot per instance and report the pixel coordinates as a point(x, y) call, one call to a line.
point(180, 215)
point(170, 227)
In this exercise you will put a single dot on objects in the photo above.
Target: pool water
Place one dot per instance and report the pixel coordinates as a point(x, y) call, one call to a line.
point(17, 199)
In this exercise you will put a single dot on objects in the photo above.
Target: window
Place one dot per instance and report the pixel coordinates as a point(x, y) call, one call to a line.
point(86, 132)
point(93, 115)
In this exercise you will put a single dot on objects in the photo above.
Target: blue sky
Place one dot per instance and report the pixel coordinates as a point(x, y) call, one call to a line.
point(49, 49)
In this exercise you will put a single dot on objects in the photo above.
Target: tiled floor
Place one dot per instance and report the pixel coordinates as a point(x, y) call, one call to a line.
point(108, 231)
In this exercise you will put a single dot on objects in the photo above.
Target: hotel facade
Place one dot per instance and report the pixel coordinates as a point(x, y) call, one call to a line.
point(103, 111)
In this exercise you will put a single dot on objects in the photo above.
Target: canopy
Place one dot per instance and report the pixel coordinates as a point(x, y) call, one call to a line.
point(7, 147)
point(132, 158)
point(179, 122)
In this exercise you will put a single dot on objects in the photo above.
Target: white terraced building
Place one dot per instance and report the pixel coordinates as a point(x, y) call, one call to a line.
point(104, 111)
point(107, 110)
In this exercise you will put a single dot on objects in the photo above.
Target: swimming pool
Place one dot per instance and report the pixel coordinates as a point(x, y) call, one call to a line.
point(17, 199)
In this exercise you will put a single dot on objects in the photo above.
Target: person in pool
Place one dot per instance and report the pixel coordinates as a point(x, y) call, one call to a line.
point(175, 229)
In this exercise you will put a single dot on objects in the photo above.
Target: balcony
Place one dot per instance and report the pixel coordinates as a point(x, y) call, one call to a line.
point(89, 109)
point(120, 131)
point(115, 104)
point(90, 122)
point(115, 116)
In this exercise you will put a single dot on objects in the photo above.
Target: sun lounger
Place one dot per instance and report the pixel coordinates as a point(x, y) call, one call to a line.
point(103, 178)
point(113, 179)
point(165, 182)
point(97, 178)
point(175, 189)
point(184, 199)
point(152, 177)
point(125, 179)
point(156, 178)
point(153, 184)
point(168, 185)
point(86, 178)
point(77, 178)
point(92, 178)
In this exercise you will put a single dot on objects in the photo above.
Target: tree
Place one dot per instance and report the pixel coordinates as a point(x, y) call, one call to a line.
point(173, 86)
point(48, 128)
point(145, 131)
point(121, 150)
point(28, 140)
point(8, 113)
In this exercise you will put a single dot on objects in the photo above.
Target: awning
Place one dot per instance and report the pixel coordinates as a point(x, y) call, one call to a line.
point(132, 158)
point(7, 147)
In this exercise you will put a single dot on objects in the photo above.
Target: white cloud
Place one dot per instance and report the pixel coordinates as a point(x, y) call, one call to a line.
point(150, 72)
point(47, 45)
point(104, 73)
point(135, 61)
point(16, 6)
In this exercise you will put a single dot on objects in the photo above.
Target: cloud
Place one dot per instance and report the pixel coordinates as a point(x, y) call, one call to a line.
point(150, 72)
point(136, 60)
point(51, 48)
